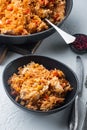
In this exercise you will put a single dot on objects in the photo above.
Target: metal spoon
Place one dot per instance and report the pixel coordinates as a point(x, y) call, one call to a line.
point(67, 37)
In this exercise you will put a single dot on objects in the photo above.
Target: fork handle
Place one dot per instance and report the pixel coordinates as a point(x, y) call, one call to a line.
point(85, 119)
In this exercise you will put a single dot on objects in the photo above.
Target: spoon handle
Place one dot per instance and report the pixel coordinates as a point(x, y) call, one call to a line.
point(67, 37)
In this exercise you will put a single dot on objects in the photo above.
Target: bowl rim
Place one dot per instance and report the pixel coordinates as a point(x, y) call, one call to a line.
point(38, 111)
point(42, 32)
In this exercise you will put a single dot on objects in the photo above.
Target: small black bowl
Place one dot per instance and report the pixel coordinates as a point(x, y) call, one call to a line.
point(81, 39)
point(49, 63)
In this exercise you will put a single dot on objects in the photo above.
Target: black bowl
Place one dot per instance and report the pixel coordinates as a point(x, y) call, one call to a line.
point(49, 64)
point(11, 39)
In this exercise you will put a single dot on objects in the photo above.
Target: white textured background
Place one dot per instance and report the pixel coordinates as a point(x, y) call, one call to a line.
point(11, 117)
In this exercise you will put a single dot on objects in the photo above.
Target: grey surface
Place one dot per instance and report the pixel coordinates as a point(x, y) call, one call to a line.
point(11, 117)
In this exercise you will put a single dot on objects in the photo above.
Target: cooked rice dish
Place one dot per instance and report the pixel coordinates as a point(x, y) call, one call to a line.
point(38, 88)
point(23, 17)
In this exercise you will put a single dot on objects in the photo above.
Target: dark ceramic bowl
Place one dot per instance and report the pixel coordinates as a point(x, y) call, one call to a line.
point(49, 64)
point(11, 39)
